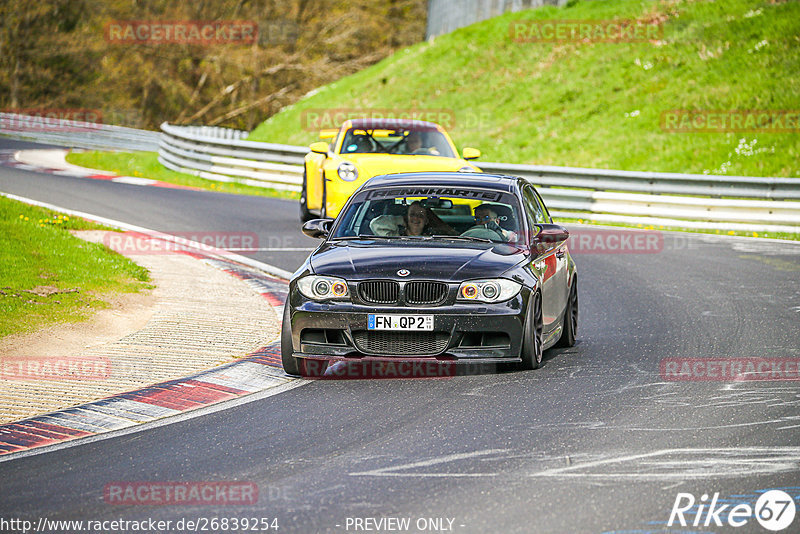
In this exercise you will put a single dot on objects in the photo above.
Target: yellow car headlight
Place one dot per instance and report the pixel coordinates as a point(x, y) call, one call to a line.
point(347, 171)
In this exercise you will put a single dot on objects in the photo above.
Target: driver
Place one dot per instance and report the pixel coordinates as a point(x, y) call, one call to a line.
point(414, 144)
point(487, 221)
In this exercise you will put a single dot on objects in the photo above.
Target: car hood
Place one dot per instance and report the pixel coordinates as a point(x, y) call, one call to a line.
point(375, 164)
point(365, 259)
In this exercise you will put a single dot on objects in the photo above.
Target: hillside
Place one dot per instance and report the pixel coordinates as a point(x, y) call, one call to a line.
point(79, 58)
point(595, 104)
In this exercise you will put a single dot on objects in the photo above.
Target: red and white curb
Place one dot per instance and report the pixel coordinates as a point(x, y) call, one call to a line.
point(51, 161)
point(257, 372)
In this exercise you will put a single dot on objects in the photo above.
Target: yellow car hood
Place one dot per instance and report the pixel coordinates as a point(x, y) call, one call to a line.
point(374, 164)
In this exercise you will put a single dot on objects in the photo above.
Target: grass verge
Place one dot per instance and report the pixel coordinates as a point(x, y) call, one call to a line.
point(49, 276)
point(589, 103)
point(146, 165)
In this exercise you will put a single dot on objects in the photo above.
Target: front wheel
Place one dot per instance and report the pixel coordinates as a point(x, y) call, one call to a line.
point(532, 337)
point(570, 326)
point(287, 352)
point(323, 211)
point(305, 215)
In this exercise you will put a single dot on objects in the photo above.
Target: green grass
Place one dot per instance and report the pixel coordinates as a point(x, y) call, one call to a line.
point(146, 165)
point(37, 253)
point(598, 104)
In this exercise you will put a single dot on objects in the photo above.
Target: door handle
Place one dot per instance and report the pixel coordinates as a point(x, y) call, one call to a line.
point(560, 254)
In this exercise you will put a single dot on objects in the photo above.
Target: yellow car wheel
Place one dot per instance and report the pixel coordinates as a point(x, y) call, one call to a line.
point(305, 215)
point(323, 211)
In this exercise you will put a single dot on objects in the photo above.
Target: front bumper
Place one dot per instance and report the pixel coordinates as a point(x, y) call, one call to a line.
point(475, 332)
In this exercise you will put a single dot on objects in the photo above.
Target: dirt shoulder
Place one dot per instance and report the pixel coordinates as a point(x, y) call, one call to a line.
point(197, 317)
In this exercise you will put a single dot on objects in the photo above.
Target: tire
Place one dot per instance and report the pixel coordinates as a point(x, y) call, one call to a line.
point(305, 215)
point(532, 338)
point(290, 363)
point(323, 210)
point(570, 327)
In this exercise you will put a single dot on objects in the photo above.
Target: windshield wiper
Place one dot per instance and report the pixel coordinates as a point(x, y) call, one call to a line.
point(366, 236)
point(465, 238)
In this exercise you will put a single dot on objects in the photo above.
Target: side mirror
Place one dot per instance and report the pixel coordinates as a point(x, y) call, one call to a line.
point(471, 153)
point(318, 228)
point(550, 237)
point(320, 147)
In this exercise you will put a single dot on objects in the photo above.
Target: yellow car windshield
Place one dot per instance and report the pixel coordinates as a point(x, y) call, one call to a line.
point(409, 142)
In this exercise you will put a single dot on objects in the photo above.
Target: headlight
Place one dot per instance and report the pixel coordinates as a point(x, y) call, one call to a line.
point(493, 290)
point(323, 288)
point(347, 171)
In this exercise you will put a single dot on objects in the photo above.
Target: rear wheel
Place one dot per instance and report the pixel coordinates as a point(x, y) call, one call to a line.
point(290, 363)
point(305, 215)
point(532, 337)
point(570, 326)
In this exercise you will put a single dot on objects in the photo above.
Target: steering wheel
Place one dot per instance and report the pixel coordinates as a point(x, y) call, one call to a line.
point(484, 233)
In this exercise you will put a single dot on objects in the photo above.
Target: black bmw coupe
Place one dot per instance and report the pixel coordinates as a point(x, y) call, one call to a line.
point(439, 268)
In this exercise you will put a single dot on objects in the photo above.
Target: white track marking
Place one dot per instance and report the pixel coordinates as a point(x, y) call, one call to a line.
point(392, 471)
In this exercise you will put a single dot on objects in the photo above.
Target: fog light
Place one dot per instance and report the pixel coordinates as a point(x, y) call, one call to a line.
point(339, 289)
point(469, 291)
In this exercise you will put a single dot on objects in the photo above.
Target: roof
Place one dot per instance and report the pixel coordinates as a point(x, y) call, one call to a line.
point(380, 123)
point(499, 182)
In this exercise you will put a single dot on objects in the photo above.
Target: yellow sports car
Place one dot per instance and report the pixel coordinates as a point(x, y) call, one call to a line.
point(363, 148)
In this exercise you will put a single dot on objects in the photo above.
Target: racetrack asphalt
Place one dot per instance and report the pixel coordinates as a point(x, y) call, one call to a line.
point(595, 441)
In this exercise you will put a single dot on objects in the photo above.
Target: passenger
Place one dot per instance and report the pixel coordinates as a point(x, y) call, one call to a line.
point(418, 220)
point(362, 143)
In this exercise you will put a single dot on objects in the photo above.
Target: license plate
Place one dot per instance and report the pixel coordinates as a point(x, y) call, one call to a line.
point(399, 322)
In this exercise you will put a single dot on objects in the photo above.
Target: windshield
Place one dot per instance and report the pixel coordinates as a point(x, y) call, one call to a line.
point(405, 141)
point(439, 213)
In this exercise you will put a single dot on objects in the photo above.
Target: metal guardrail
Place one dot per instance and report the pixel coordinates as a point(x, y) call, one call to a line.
point(221, 154)
point(669, 199)
point(77, 134)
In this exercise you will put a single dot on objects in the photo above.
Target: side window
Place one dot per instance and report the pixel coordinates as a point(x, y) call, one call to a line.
point(534, 207)
point(547, 217)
